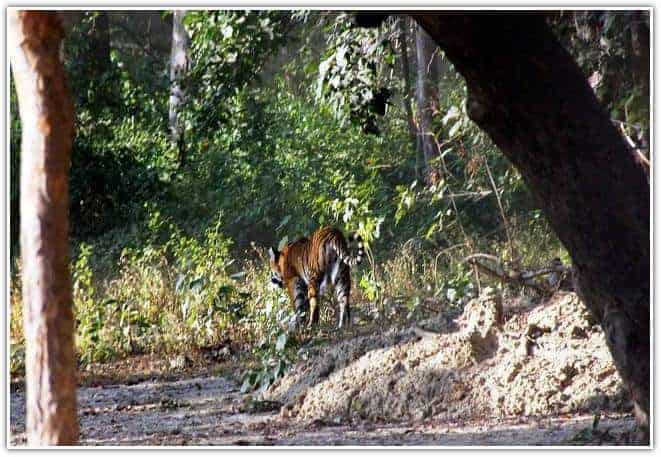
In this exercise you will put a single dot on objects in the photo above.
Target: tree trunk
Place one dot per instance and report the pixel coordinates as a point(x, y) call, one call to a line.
point(178, 68)
point(100, 38)
point(47, 133)
point(406, 75)
point(426, 93)
point(529, 95)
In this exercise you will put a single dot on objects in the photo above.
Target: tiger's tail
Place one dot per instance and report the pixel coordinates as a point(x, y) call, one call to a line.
point(360, 250)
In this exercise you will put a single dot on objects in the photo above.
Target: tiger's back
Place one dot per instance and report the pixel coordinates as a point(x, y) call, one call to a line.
point(322, 260)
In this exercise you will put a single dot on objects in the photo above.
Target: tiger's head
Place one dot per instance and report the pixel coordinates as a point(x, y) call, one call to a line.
point(276, 271)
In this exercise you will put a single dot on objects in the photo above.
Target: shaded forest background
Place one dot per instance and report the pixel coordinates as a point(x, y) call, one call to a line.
point(204, 137)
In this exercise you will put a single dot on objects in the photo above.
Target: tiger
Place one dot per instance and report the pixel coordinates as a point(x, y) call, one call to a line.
point(306, 267)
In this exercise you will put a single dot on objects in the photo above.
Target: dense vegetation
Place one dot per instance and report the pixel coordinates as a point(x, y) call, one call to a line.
point(290, 121)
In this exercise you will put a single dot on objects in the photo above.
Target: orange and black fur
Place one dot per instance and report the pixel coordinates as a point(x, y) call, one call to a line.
point(307, 266)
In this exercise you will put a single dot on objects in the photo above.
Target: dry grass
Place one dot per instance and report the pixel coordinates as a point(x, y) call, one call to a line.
point(187, 294)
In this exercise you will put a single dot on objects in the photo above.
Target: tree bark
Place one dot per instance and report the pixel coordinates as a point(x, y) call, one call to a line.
point(47, 121)
point(529, 95)
point(406, 75)
point(425, 91)
point(178, 68)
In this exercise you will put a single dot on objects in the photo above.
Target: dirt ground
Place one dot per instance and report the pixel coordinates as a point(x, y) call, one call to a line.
point(494, 376)
point(211, 411)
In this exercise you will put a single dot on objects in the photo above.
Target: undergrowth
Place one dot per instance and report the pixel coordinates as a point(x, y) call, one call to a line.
point(178, 293)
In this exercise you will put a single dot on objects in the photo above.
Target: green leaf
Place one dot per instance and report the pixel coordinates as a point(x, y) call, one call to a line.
point(283, 243)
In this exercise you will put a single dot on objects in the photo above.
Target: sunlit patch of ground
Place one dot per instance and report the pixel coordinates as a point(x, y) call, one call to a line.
point(211, 411)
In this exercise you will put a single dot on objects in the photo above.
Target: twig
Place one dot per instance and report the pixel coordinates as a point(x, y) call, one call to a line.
point(479, 255)
point(525, 278)
point(514, 257)
point(456, 212)
point(544, 271)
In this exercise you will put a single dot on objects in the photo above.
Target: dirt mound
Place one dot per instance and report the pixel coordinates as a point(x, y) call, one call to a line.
point(547, 360)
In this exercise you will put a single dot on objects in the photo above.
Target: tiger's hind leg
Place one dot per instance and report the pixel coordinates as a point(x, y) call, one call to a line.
point(301, 302)
point(342, 286)
point(312, 297)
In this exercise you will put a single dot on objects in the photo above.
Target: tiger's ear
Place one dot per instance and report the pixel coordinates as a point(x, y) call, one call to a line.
point(273, 254)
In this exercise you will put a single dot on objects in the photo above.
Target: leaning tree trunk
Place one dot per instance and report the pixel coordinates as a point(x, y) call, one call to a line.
point(425, 94)
point(178, 68)
point(47, 130)
point(528, 94)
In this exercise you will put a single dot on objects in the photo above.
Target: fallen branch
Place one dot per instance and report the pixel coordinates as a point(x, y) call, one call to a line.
point(555, 273)
point(422, 333)
point(633, 145)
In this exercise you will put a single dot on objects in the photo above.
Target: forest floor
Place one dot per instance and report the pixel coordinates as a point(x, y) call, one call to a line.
point(494, 376)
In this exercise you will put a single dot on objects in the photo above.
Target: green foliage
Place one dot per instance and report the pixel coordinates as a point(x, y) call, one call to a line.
point(273, 362)
point(603, 44)
point(92, 338)
point(173, 292)
point(350, 73)
point(259, 171)
point(228, 49)
point(121, 153)
point(119, 182)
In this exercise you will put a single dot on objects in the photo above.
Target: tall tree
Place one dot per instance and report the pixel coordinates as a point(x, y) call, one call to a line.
point(105, 90)
point(47, 118)
point(425, 92)
point(529, 95)
point(178, 67)
point(404, 25)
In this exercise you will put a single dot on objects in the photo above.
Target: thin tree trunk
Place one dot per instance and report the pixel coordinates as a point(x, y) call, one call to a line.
point(427, 79)
point(47, 133)
point(406, 75)
point(178, 68)
point(106, 91)
point(100, 36)
point(529, 95)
